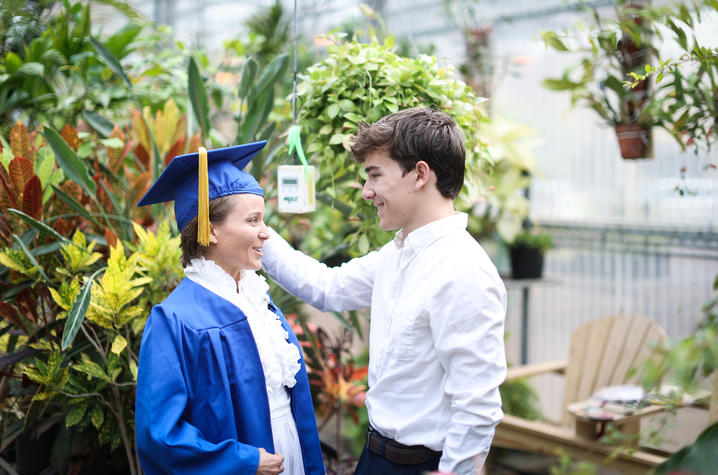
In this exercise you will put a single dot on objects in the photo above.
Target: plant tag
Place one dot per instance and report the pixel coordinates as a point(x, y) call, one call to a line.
point(296, 189)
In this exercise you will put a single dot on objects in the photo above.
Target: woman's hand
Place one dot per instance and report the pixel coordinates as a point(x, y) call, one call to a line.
point(269, 464)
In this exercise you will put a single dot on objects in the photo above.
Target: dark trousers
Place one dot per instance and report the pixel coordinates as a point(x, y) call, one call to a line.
point(374, 464)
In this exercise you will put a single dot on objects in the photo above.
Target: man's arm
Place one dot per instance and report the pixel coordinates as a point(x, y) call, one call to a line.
point(467, 324)
point(347, 287)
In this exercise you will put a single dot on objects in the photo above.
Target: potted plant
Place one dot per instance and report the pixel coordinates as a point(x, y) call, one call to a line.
point(613, 48)
point(527, 252)
point(691, 78)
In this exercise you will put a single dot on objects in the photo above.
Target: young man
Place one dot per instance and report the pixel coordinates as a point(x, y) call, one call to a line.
point(436, 352)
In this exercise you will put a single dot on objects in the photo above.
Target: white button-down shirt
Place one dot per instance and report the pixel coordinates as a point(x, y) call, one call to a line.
point(436, 351)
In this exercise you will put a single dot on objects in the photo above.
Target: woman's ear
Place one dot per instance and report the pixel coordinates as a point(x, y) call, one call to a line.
point(423, 174)
point(212, 234)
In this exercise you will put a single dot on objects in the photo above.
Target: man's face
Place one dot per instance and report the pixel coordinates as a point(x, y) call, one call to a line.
point(392, 192)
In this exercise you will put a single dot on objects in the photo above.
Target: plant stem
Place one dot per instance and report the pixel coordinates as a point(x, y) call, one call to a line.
point(123, 431)
point(340, 372)
point(92, 341)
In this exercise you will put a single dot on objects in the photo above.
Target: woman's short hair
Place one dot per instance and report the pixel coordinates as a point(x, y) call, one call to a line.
point(219, 209)
point(413, 135)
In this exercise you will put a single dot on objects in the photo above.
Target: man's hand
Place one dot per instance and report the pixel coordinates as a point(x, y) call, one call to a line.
point(269, 464)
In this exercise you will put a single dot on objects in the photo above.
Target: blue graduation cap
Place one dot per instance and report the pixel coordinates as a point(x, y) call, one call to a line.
point(194, 179)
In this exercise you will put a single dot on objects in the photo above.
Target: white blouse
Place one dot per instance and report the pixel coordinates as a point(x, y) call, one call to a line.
point(280, 358)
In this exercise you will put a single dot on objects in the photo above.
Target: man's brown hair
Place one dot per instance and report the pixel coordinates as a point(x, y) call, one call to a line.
point(413, 135)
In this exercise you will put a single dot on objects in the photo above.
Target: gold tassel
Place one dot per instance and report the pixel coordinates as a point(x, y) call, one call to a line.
point(203, 200)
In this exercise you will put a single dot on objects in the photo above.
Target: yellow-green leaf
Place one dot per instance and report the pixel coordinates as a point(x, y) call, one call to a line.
point(97, 416)
point(75, 415)
point(119, 344)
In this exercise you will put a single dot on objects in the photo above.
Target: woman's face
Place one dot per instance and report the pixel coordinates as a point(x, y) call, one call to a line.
point(237, 242)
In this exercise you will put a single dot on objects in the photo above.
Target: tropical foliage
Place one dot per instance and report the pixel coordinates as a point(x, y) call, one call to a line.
point(691, 78)
point(364, 82)
point(81, 265)
point(623, 54)
point(612, 47)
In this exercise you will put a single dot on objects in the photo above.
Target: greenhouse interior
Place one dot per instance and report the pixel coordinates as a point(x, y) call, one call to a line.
point(588, 198)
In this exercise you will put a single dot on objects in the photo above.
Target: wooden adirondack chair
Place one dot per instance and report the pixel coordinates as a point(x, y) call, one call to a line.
point(600, 354)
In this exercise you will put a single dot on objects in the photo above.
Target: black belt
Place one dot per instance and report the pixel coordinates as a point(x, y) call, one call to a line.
point(398, 453)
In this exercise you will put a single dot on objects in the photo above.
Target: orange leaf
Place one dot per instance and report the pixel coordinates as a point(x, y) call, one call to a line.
point(141, 132)
point(32, 198)
point(20, 140)
point(115, 154)
point(358, 374)
point(73, 189)
point(5, 231)
point(27, 305)
point(139, 185)
point(62, 227)
point(143, 156)
point(20, 173)
point(8, 198)
point(11, 315)
point(110, 237)
point(70, 135)
point(175, 150)
point(195, 143)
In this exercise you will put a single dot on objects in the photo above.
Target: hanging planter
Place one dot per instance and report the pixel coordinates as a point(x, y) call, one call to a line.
point(526, 262)
point(527, 252)
point(634, 141)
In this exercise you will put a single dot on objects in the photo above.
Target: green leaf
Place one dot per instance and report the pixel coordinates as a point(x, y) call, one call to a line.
point(44, 166)
point(12, 62)
point(75, 414)
point(347, 105)
point(110, 61)
point(551, 39)
point(39, 225)
point(69, 161)
point(74, 204)
point(699, 457)
point(32, 70)
point(333, 110)
point(198, 97)
point(113, 142)
point(354, 315)
point(356, 118)
point(614, 84)
point(363, 244)
point(249, 72)
point(97, 122)
point(559, 84)
point(77, 312)
point(257, 116)
point(29, 255)
point(336, 139)
point(270, 73)
point(97, 416)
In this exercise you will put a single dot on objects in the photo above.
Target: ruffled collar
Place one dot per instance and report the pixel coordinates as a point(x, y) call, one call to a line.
point(280, 357)
point(206, 271)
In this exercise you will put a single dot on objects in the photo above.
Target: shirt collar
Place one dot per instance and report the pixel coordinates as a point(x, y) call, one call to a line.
point(423, 236)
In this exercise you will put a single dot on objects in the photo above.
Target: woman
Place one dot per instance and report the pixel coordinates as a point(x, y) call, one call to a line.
point(221, 384)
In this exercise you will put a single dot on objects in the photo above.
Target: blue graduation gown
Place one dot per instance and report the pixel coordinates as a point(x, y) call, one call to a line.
point(202, 403)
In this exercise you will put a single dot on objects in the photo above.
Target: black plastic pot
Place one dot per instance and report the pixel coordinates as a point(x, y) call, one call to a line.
point(526, 262)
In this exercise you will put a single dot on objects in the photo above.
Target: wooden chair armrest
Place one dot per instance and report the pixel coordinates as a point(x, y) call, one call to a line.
point(524, 371)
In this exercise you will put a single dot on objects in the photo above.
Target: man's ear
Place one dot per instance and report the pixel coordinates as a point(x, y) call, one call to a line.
point(423, 174)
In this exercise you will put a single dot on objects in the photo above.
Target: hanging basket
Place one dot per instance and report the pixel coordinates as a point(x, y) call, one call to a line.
point(634, 141)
